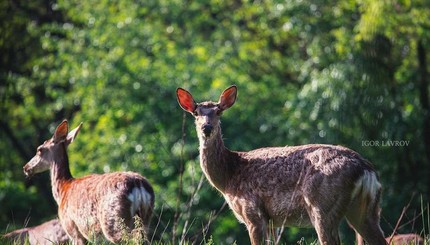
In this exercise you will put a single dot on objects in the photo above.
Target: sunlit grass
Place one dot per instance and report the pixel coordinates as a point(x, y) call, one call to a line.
point(162, 234)
point(207, 239)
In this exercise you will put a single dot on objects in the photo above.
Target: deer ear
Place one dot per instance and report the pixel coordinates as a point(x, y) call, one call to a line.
point(61, 131)
point(228, 97)
point(185, 100)
point(72, 135)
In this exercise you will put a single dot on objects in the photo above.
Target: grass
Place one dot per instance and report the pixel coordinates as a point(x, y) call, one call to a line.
point(161, 234)
point(209, 240)
point(170, 234)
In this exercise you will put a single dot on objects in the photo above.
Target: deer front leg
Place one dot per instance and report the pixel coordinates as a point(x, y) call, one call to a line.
point(326, 227)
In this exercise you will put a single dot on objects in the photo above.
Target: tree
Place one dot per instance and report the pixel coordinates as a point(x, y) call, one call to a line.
point(344, 72)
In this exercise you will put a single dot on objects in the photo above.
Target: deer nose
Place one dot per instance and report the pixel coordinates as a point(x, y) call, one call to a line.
point(27, 170)
point(207, 129)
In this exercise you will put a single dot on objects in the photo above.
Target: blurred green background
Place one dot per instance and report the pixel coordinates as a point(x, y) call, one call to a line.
point(350, 72)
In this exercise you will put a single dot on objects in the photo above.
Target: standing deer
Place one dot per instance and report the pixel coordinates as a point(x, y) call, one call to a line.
point(47, 233)
point(304, 186)
point(95, 205)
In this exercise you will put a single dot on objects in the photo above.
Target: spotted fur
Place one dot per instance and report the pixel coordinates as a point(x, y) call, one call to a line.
point(304, 186)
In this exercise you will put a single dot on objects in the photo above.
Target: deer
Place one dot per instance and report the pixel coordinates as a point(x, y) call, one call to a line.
point(399, 239)
point(405, 239)
point(104, 206)
point(48, 233)
point(312, 185)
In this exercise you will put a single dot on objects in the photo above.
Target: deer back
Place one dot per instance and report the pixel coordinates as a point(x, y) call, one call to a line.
point(94, 199)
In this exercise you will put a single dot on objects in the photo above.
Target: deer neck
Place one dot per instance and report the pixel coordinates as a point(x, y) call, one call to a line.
point(216, 161)
point(60, 173)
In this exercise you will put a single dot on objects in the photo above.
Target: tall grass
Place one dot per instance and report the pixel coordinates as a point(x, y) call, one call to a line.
point(160, 234)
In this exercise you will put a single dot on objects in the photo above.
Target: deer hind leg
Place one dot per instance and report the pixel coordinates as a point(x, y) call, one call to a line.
point(327, 235)
point(363, 211)
point(146, 221)
point(366, 227)
point(325, 215)
point(116, 222)
point(325, 226)
point(141, 231)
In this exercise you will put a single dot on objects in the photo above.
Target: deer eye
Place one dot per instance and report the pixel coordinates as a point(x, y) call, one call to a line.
point(41, 150)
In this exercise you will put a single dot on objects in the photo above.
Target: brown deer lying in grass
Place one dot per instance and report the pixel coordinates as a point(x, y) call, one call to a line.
point(304, 186)
point(47, 233)
point(399, 239)
point(405, 239)
point(95, 205)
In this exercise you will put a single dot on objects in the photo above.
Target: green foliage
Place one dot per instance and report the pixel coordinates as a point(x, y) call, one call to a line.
point(341, 72)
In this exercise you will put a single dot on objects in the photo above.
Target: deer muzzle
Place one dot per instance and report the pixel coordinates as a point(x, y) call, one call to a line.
point(207, 129)
point(28, 170)
point(34, 166)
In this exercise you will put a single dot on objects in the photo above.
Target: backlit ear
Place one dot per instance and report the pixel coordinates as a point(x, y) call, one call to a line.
point(72, 135)
point(228, 97)
point(61, 131)
point(185, 100)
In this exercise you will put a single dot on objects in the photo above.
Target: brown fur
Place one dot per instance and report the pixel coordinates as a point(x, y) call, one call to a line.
point(304, 186)
point(47, 233)
point(95, 205)
point(406, 239)
point(399, 239)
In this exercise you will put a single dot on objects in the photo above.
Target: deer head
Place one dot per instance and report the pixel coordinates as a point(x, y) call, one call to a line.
point(207, 113)
point(45, 154)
